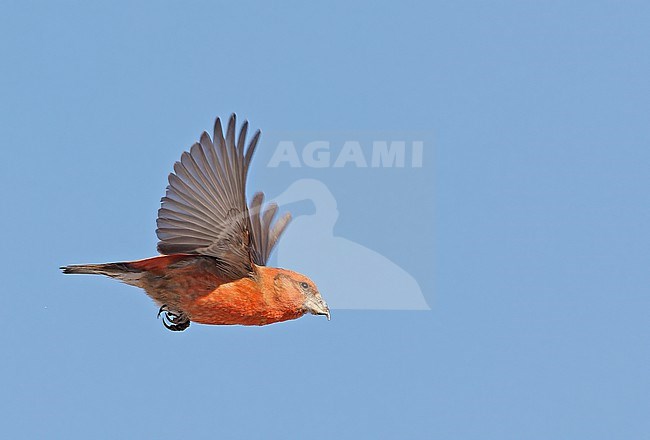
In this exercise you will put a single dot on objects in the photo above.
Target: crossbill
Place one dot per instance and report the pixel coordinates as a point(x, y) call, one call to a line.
point(215, 246)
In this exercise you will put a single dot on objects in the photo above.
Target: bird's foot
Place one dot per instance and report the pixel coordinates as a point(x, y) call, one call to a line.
point(176, 322)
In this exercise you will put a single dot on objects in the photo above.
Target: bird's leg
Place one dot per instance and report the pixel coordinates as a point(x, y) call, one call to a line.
point(176, 322)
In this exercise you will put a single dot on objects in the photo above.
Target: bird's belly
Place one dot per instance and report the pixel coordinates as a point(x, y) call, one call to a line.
point(238, 303)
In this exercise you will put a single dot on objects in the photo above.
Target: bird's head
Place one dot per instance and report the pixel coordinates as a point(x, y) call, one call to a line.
point(303, 289)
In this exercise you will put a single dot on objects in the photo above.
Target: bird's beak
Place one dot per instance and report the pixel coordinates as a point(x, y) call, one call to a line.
point(325, 310)
point(316, 306)
point(326, 313)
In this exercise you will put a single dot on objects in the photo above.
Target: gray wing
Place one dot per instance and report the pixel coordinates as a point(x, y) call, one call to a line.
point(265, 232)
point(204, 210)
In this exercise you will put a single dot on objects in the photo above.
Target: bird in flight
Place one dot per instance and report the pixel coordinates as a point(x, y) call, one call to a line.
point(215, 246)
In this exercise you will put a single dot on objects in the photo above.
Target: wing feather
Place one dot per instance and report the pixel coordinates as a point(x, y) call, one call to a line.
point(265, 232)
point(204, 210)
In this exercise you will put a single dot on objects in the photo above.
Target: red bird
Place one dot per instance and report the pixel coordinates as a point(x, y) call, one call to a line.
point(215, 248)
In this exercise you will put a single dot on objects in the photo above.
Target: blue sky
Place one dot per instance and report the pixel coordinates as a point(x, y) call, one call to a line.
point(526, 227)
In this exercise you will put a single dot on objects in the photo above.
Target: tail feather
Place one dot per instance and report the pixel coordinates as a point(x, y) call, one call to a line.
point(99, 269)
point(132, 272)
point(113, 270)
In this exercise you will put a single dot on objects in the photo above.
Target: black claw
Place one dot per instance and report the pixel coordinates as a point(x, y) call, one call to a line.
point(176, 322)
point(177, 327)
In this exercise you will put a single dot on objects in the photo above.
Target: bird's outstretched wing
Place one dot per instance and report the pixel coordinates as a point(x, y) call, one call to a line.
point(204, 210)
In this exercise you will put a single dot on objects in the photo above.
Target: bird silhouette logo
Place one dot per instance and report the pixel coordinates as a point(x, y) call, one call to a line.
point(386, 285)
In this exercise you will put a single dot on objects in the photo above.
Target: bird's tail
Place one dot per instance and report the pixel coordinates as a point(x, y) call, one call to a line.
point(108, 269)
point(125, 272)
point(131, 272)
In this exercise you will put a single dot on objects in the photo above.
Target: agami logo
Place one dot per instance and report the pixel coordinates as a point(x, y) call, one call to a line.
point(349, 153)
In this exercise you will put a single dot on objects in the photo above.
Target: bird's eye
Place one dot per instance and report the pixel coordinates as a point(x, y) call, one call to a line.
point(304, 285)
